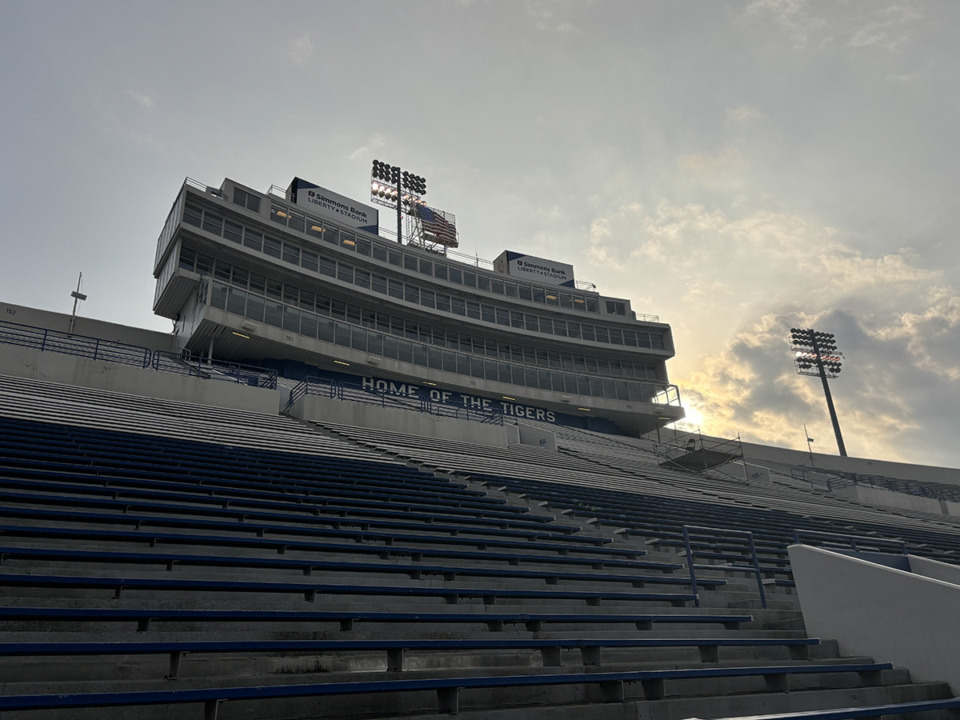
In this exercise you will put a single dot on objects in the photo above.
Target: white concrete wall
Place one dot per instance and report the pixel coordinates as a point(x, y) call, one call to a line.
point(538, 437)
point(933, 569)
point(146, 382)
point(888, 498)
point(890, 615)
point(86, 326)
point(311, 407)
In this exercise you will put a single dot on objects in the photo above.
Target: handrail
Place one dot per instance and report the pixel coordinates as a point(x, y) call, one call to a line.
point(877, 543)
point(709, 532)
point(215, 370)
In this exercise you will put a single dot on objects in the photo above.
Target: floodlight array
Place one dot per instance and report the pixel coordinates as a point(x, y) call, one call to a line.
point(387, 173)
point(815, 350)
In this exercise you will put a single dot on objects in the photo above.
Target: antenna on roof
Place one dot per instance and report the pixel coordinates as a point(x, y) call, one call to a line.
point(77, 298)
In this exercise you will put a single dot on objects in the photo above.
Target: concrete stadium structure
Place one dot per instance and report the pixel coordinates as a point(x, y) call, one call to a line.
point(243, 519)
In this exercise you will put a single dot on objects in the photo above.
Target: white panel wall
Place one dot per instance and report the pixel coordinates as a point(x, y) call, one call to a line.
point(891, 615)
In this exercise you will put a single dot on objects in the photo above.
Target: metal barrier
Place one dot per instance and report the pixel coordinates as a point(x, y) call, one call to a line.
point(714, 534)
point(321, 387)
point(857, 543)
point(215, 370)
point(78, 345)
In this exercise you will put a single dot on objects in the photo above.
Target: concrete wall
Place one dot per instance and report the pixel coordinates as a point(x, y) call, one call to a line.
point(311, 407)
point(891, 615)
point(71, 370)
point(538, 437)
point(86, 326)
point(889, 498)
point(935, 570)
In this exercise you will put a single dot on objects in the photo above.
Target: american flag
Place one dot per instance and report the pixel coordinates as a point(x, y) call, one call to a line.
point(434, 223)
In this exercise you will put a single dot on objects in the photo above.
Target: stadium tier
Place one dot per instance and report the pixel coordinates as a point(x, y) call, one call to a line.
point(363, 479)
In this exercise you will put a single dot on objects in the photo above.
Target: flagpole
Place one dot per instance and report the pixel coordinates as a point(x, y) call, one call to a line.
point(809, 447)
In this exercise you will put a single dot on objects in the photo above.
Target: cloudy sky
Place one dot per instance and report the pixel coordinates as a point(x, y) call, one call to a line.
point(735, 167)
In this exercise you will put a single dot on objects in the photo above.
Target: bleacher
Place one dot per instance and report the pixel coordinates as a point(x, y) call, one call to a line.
point(160, 558)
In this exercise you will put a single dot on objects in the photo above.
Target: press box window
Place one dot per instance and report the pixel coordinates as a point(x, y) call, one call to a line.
point(246, 200)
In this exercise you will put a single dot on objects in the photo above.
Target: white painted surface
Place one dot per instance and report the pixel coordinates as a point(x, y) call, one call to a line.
point(538, 437)
point(891, 615)
point(343, 412)
point(936, 570)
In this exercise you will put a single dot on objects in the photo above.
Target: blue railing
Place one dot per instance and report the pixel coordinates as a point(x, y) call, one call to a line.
point(694, 533)
point(78, 345)
point(93, 348)
point(320, 387)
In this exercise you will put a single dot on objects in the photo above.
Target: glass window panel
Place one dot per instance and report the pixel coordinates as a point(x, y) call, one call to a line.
point(252, 239)
point(516, 319)
point(546, 325)
point(358, 339)
point(496, 286)
point(543, 379)
point(566, 301)
point(273, 314)
point(390, 346)
point(338, 309)
point(449, 360)
point(353, 314)
point(602, 335)
point(341, 334)
point(490, 370)
point(258, 282)
point(309, 260)
point(291, 254)
point(435, 358)
point(188, 259)
point(278, 215)
point(553, 298)
point(222, 271)
point(630, 338)
point(411, 293)
point(348, 240)
point(560, 328)
point(379, 284)
point(573, 329)
point(583, 385)
point(404, 351)
point(530, 377)
point(396, 289)
point(345, 272)
point(325, 330)
point(236, 301)
point(532, 323)
point(476, 366)
point(394, 257)
point(553, 358)
point(291, 294)
point(421, 356)
point(331, 235)
point(328, 267)
point(295, 222)
point(557, 382)
point(362, 278)
point(463, 364)
point(426, 266)
point(656, 341)
point(374, 343)
point(488, 314)
point(587, 331)
point(503, 316)
point(456, 275)
point(240, 277)
point(443, 302)
point(473, 310)
point(271, 247)
point(192, 215)
point(254, 307)
point(427, 298)
point(233, 232)
point(409, 261)
point(212, 223)
point(469, 278)
point(308, 324)
point(579, 363)
point(440, 271)
point(323, 305)
point(526, 292)
point(274, 289)
point(490, 348)
point(616, 337)
point(458, 306)
point(603, 366)
point(379, 252)
point(570, 383)
point(511, 289)
point(314, 227)
point(539, 295)
point(363, 246)
point(591, 363)
point(483, 283)
point(218, 296)
point(592, 305)
point(204, 264)
point(291, 319)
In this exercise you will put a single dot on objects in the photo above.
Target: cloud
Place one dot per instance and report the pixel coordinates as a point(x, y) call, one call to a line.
point(145, 101)
point(743, 114)
point(887, 31)
point(374, 143)
point(301, 49)
point(551, 15)
point(791, 16)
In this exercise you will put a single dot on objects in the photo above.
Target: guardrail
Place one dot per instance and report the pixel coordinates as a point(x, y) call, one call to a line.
point(93, 348)
point(693, 533)
point(857, 543)
point(321, 387)
point(78, 345)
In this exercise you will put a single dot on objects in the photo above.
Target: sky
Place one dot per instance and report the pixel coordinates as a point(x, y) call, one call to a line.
point(736, 168)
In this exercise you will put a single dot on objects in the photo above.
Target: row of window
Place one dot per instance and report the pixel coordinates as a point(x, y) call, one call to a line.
point(294, 320)
point(394, 254)
point(309, 301)
point(410, 292)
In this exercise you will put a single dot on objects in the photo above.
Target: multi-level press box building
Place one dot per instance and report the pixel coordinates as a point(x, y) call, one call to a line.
point(302, 281)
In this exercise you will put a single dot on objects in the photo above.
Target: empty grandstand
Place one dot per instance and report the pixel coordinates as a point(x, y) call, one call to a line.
point(247, 518)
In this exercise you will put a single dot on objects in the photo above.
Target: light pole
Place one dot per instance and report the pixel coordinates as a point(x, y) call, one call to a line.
point(392, 187)
point(817, 354)
point(77, 298)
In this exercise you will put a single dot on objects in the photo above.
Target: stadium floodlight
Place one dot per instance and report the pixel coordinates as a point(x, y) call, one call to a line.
point(78, 297)
point(392, 187)
point(815, 353)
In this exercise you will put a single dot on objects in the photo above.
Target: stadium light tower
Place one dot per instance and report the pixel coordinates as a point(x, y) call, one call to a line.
point(817, 354)
point(392, 187)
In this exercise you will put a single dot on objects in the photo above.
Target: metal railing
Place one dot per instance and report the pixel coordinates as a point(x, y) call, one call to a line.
point(695, 533)
point(110, 351)
point(78, 345)
point(321, 387)
point(857, 543)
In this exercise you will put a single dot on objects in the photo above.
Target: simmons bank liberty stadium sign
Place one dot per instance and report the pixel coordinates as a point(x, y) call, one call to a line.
point(534, 269)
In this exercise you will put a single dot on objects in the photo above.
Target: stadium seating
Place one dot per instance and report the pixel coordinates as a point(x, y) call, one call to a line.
point(160, 557)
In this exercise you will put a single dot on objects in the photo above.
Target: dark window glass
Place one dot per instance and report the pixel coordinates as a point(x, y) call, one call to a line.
point(278, 215)
point(559, 328)
point(587, 331)
point(204, 264)
point(258, 283)
point(573, 329)
point(592, 305)
point(458, 306)
point(463, 364)
point(362, 278)
point(526, 292)
point(404, 351)
point(483, 283)
point(252, 239)
point(456, 275)
point(309, 261)
point(390, 347)
point(565, 300)
point(427, 298)
point(344, 272)
point(222, 271)
point(630, 338)
point(295, 222)
point(307, 299)
point(192, 215)
point(476, 366)
point(488, 314)
point(363, 247)
point(218, 296)
point(443, 302)
point(323, 305)
point(409, 261)
point(656, 341)
point(553, 298)
point(274, 289)
point(426, 266)
point(308, 324)
point(530, 377)
point(358, 339)
point(435, 358)
point(449, 360)
point(325, 330)
point(394, 257)
point(341, 334)
point(274, 314)
point(338, 309)
point(254, 307)
point(532, 323)
point(511, 289)
point(496, 286)
point(616, 337)
point(411, 293)
point(539, 295)
point(379, 252)
point(233, 232)
point(328, 267)
point(314, 227)
point(516, 319)
point(440, 271)
point(469, 278)
point(374, 344)
point(368, 318)
point(473, 310)
point(353, 314)
point(503, 316)
point(546, 325)
point(331, 235)
point(291, 254)
point(188, 259)
point(271, 247)
point(602, 335)
point(240, 277)
point(379, 284)
point(291, 319)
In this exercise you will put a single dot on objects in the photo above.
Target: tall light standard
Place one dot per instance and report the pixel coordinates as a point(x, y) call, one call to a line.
point(77, 298)
point(392, 187)
point(817, 354)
